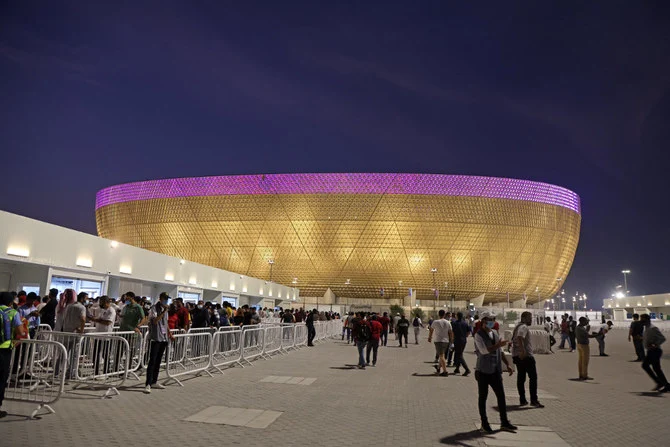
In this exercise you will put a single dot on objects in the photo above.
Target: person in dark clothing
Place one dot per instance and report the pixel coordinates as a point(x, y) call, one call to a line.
point(488, 372)
point(311, 331)
point(635, 334)
point(403, 329)
point(373, 343)
point(247, 315)
point(48, 312)
point(200, 316)
point(361, 337)
point(461, 329)
point(572, 326)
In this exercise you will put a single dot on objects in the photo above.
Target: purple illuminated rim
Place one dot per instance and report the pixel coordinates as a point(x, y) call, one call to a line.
point(421, 184)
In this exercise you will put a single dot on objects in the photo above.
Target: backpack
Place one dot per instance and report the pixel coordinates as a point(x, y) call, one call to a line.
point(5, 325)
point(415, 323)
point(364, 333)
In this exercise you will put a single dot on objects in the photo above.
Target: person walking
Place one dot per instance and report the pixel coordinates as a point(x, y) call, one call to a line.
point(403, 329)
point(11, 330)
point(572, 325)
point(373, 343)
point(635, 334)
point(461, 329)
point(653, 339)
point(395, 324)
point(488, 372)
point(418, 325)
point(522, 356)
point(159, 336)
point(600, 337)
point(311, 331)
point(583, 351)
point(565, 331)
point(386, 322)
point(442, 333)
point(361, 334)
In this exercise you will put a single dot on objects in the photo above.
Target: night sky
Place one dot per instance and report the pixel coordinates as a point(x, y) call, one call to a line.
point(571, 93)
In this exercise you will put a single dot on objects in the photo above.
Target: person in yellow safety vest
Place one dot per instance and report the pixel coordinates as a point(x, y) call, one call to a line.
point(11, 330)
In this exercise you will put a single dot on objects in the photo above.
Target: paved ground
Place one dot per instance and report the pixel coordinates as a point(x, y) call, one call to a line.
point(397, 403)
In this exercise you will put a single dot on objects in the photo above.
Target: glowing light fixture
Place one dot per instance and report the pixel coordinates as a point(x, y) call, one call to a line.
point(84, 262)
point(169, 277)
point(126, 269)
point(113, 244)
point(192, 280)
point(215, 284)
point(18, 251)
point(182, 262)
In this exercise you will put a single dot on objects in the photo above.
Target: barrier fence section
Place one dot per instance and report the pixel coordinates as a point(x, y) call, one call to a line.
point(36, 382)
point(272, 340)
point(288, 342)
point(253, 342)
point(102, 360)
point(226, 349)
point(300, 338)
point(189, 354)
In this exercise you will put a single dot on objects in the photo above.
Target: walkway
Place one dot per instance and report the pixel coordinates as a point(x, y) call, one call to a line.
point(311, 397)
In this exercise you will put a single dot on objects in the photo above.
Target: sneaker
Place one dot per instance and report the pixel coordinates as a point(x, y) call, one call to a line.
point(506, 426)
point(158, 386)
point(367, 363)
point(147, 389)
point(444, 374)
point(457, 371)
point(665, 389)
point(486, 428)
point(406, 346)
point(466, 373)
point(361, 366)
point(449, 364)
point(437, 369)
point(374, 364)
point(523, 402)
point(537, 404)
point(3, 414)
point(604, 355)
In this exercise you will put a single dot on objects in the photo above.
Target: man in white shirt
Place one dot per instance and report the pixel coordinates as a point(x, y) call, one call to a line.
point(522, 356)
point(441, 332)
point(104, 323)
point(600, 337)
point(418, 325)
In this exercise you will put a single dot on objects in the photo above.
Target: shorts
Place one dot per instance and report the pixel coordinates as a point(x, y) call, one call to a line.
point(441, 347)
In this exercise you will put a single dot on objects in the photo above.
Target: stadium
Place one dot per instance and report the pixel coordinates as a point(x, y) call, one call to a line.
point(366, 236)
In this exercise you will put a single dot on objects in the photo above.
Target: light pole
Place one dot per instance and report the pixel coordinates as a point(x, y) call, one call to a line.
point(433, 271)
point(272, 263)
point(625, 281)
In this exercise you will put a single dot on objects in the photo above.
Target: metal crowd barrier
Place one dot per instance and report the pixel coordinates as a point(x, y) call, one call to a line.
point(288, 343)
point(197, 358)
point(253, 343)
point(102, 360)
point(300, 338)
point(34, 382)
point(226, 349)
point(272, 340)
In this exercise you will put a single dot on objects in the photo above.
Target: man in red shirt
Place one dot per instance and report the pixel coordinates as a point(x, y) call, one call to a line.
point(385, 321)
point(376, 329)
point(183, 317)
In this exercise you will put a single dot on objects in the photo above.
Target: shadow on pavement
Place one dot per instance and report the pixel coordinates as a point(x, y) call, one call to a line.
point(345, 367)
point(648, 393)
point(461, 438)
point(581, 381)
point(515, 408)
point(427, 375)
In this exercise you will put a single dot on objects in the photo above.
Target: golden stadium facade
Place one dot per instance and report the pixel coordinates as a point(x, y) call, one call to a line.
point(359, 233)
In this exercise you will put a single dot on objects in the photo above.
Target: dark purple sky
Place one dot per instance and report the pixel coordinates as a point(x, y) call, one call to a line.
point(575, 93)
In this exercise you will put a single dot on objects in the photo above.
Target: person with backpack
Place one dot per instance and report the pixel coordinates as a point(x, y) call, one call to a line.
point(11, 330)
point(418, 325)
point(600, 337)
point(403, 329)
